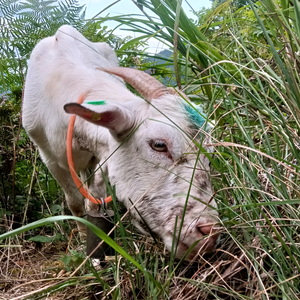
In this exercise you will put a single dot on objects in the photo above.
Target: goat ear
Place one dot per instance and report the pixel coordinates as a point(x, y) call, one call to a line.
point(114, 118)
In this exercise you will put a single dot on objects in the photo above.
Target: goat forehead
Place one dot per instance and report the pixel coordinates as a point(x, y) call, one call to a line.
point(168, 105)
point(174, 110)
point(171, 113)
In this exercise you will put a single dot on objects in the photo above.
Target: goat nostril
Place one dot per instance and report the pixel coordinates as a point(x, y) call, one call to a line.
point(205, 228)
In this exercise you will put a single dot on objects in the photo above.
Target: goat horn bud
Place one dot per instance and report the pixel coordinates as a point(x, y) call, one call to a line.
point(149, 87)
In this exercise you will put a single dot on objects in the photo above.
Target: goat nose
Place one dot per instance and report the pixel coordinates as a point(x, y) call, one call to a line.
point(206, 228)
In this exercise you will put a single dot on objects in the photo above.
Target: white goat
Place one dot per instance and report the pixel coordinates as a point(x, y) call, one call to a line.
point(155, 159)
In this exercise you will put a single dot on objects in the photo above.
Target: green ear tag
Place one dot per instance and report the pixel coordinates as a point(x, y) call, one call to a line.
point(95, 102)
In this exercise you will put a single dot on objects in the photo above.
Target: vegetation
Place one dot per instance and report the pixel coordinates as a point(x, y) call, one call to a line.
point(242, 64)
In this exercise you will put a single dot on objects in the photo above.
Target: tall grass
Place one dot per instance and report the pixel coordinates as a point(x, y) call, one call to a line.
point(250, 88)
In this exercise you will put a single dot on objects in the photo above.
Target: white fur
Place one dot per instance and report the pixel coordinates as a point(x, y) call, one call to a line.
point(62, 68)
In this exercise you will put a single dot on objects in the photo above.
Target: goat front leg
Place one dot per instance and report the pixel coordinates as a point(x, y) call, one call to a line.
point(75, 200)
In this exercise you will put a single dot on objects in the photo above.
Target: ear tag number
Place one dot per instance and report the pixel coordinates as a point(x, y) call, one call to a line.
point(95, 102)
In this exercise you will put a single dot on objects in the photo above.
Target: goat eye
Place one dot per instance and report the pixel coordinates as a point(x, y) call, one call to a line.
point(159, 146)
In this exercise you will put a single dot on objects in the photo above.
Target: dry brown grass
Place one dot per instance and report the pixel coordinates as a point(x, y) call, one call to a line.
point(27, 270)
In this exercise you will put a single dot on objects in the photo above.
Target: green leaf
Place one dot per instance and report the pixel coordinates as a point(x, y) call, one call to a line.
point(41, 239)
